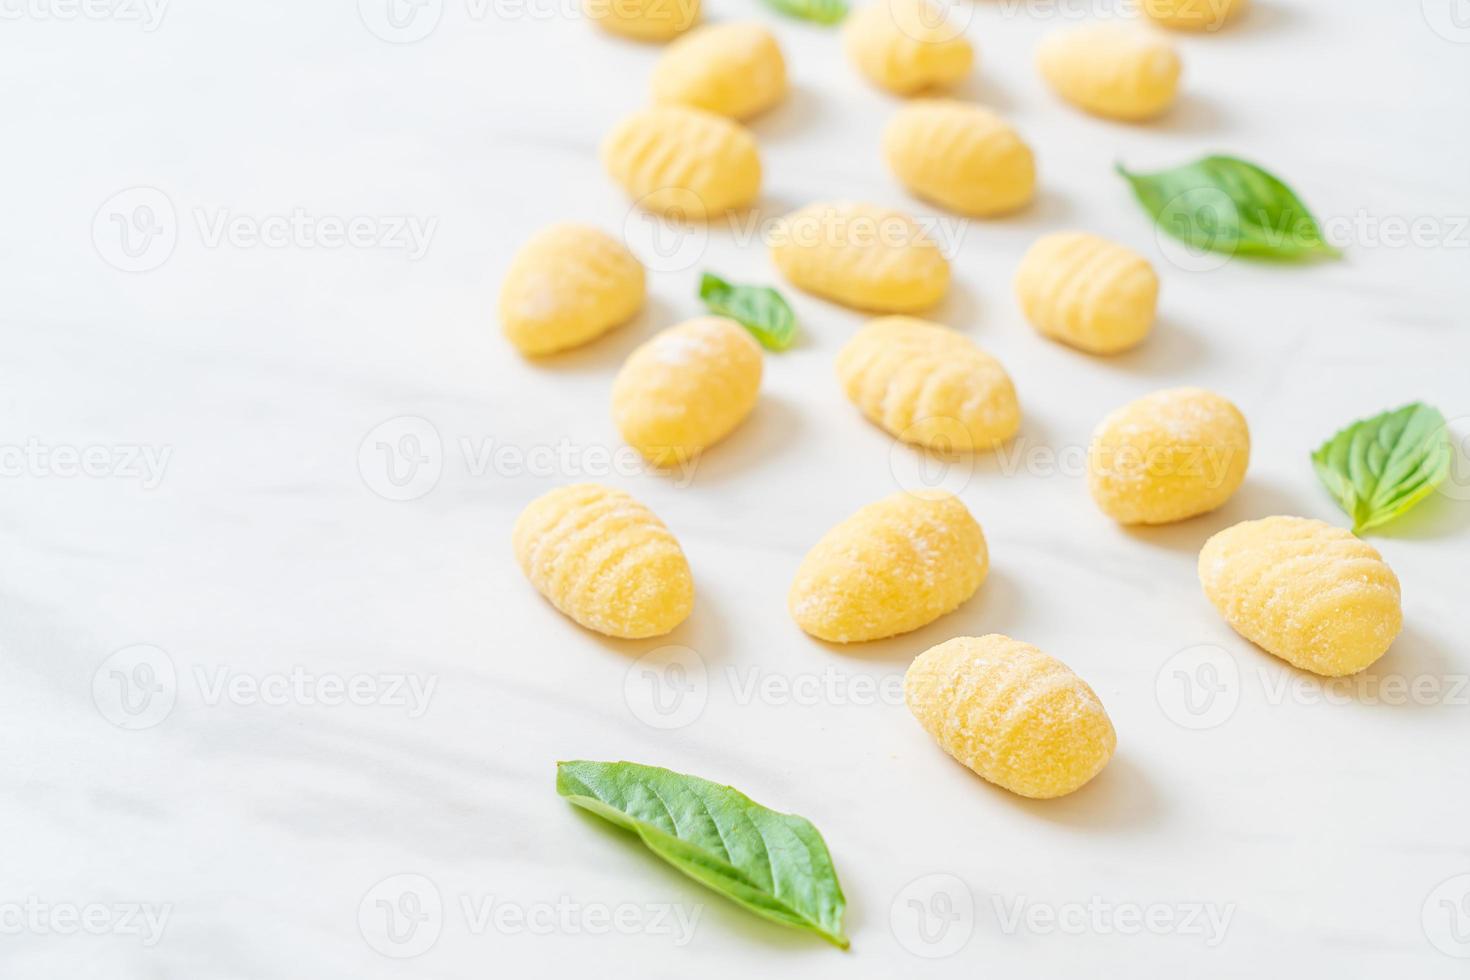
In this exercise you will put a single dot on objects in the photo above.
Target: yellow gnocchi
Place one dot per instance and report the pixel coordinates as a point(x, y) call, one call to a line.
point(892, 567)
point(678, 160)
point(734, 70)
point(1193, 15)
point(1167, 456)
point(928, 385)
point(567, 285)
point(1307, 591)
point(605, 561)
point(1088, 292)
point(1011, 714)
point(1111, 70)
point(687, 388)
point(907, 46)
point(644, 20)
point(960, 156)
point(860, 255)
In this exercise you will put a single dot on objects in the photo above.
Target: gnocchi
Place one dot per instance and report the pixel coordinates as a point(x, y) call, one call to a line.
point(1088, 292)
point(567, 285)
point(1111, 70)
point(960, 156)
point(686, 389)
point(678, 160)
point(1307, 591)
point(1167, 456)
point(734, 70)
point(928, 385)
point(1193, 15)
point(907, 46)
point(644, 20)
point(605, 561)
point(862, 256)
point(1011, 714)
point(890, 568)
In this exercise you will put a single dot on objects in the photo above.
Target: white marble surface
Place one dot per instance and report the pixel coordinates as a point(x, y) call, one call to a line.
point(261, 823)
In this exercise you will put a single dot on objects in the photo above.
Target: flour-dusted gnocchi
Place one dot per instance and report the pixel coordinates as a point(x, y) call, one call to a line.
point(734, 70)
point(860, 255)
point(907, 46)
point(1307, 591)
point(928, 385)
point(1193, 15)
point(960, 156)
point(1088, 292)
point(567, 285)
point(1111, 70)
point(1167, 456)
point(644, 20)
point(687, 388)
point(892, 567)
point(678, 160)
point(604, 560)
point(1010, 713)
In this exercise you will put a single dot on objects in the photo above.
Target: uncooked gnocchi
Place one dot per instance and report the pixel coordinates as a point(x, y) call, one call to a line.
point(734, 70)
point(928, 385)
point(567, 285)
point(1010, 713)
point(678, 160)
point(687, 388)
point(604, 560)
point(1088, 292)
point(1111, 70)
point(1167, 456)
point(860, 255)
point(1307, 591)
point(644, 20)
point(1193, 15)
point(907, 46)
point(960, 156)
point(892, 567)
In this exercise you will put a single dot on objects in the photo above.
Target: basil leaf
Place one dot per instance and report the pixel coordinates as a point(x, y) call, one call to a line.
point(1222, 204)
point(818, 11)
point(759, 309)
point(774, 864)
point(1379, 468)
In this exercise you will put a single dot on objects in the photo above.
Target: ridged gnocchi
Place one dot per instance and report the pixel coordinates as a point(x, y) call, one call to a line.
point(604, 560)
point(929, 385)
point(894, 566)
point(567, 285)
point(678, 160)
point(687, 388)
point(1193, 15)
point(644, 20)
point(860, 255)
point(1111, 70)
point(1167, 456)
point(1307, 591)
point(734, 70)
point(960, 156)
point(1010, 713)
point(1088, 292)
point(907, 46)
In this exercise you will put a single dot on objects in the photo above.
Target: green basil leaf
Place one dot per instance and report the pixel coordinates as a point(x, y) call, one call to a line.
point(1222, 204)
point(759, 309)
point(1379, 468)
point(818, 11)
point(774, 864)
